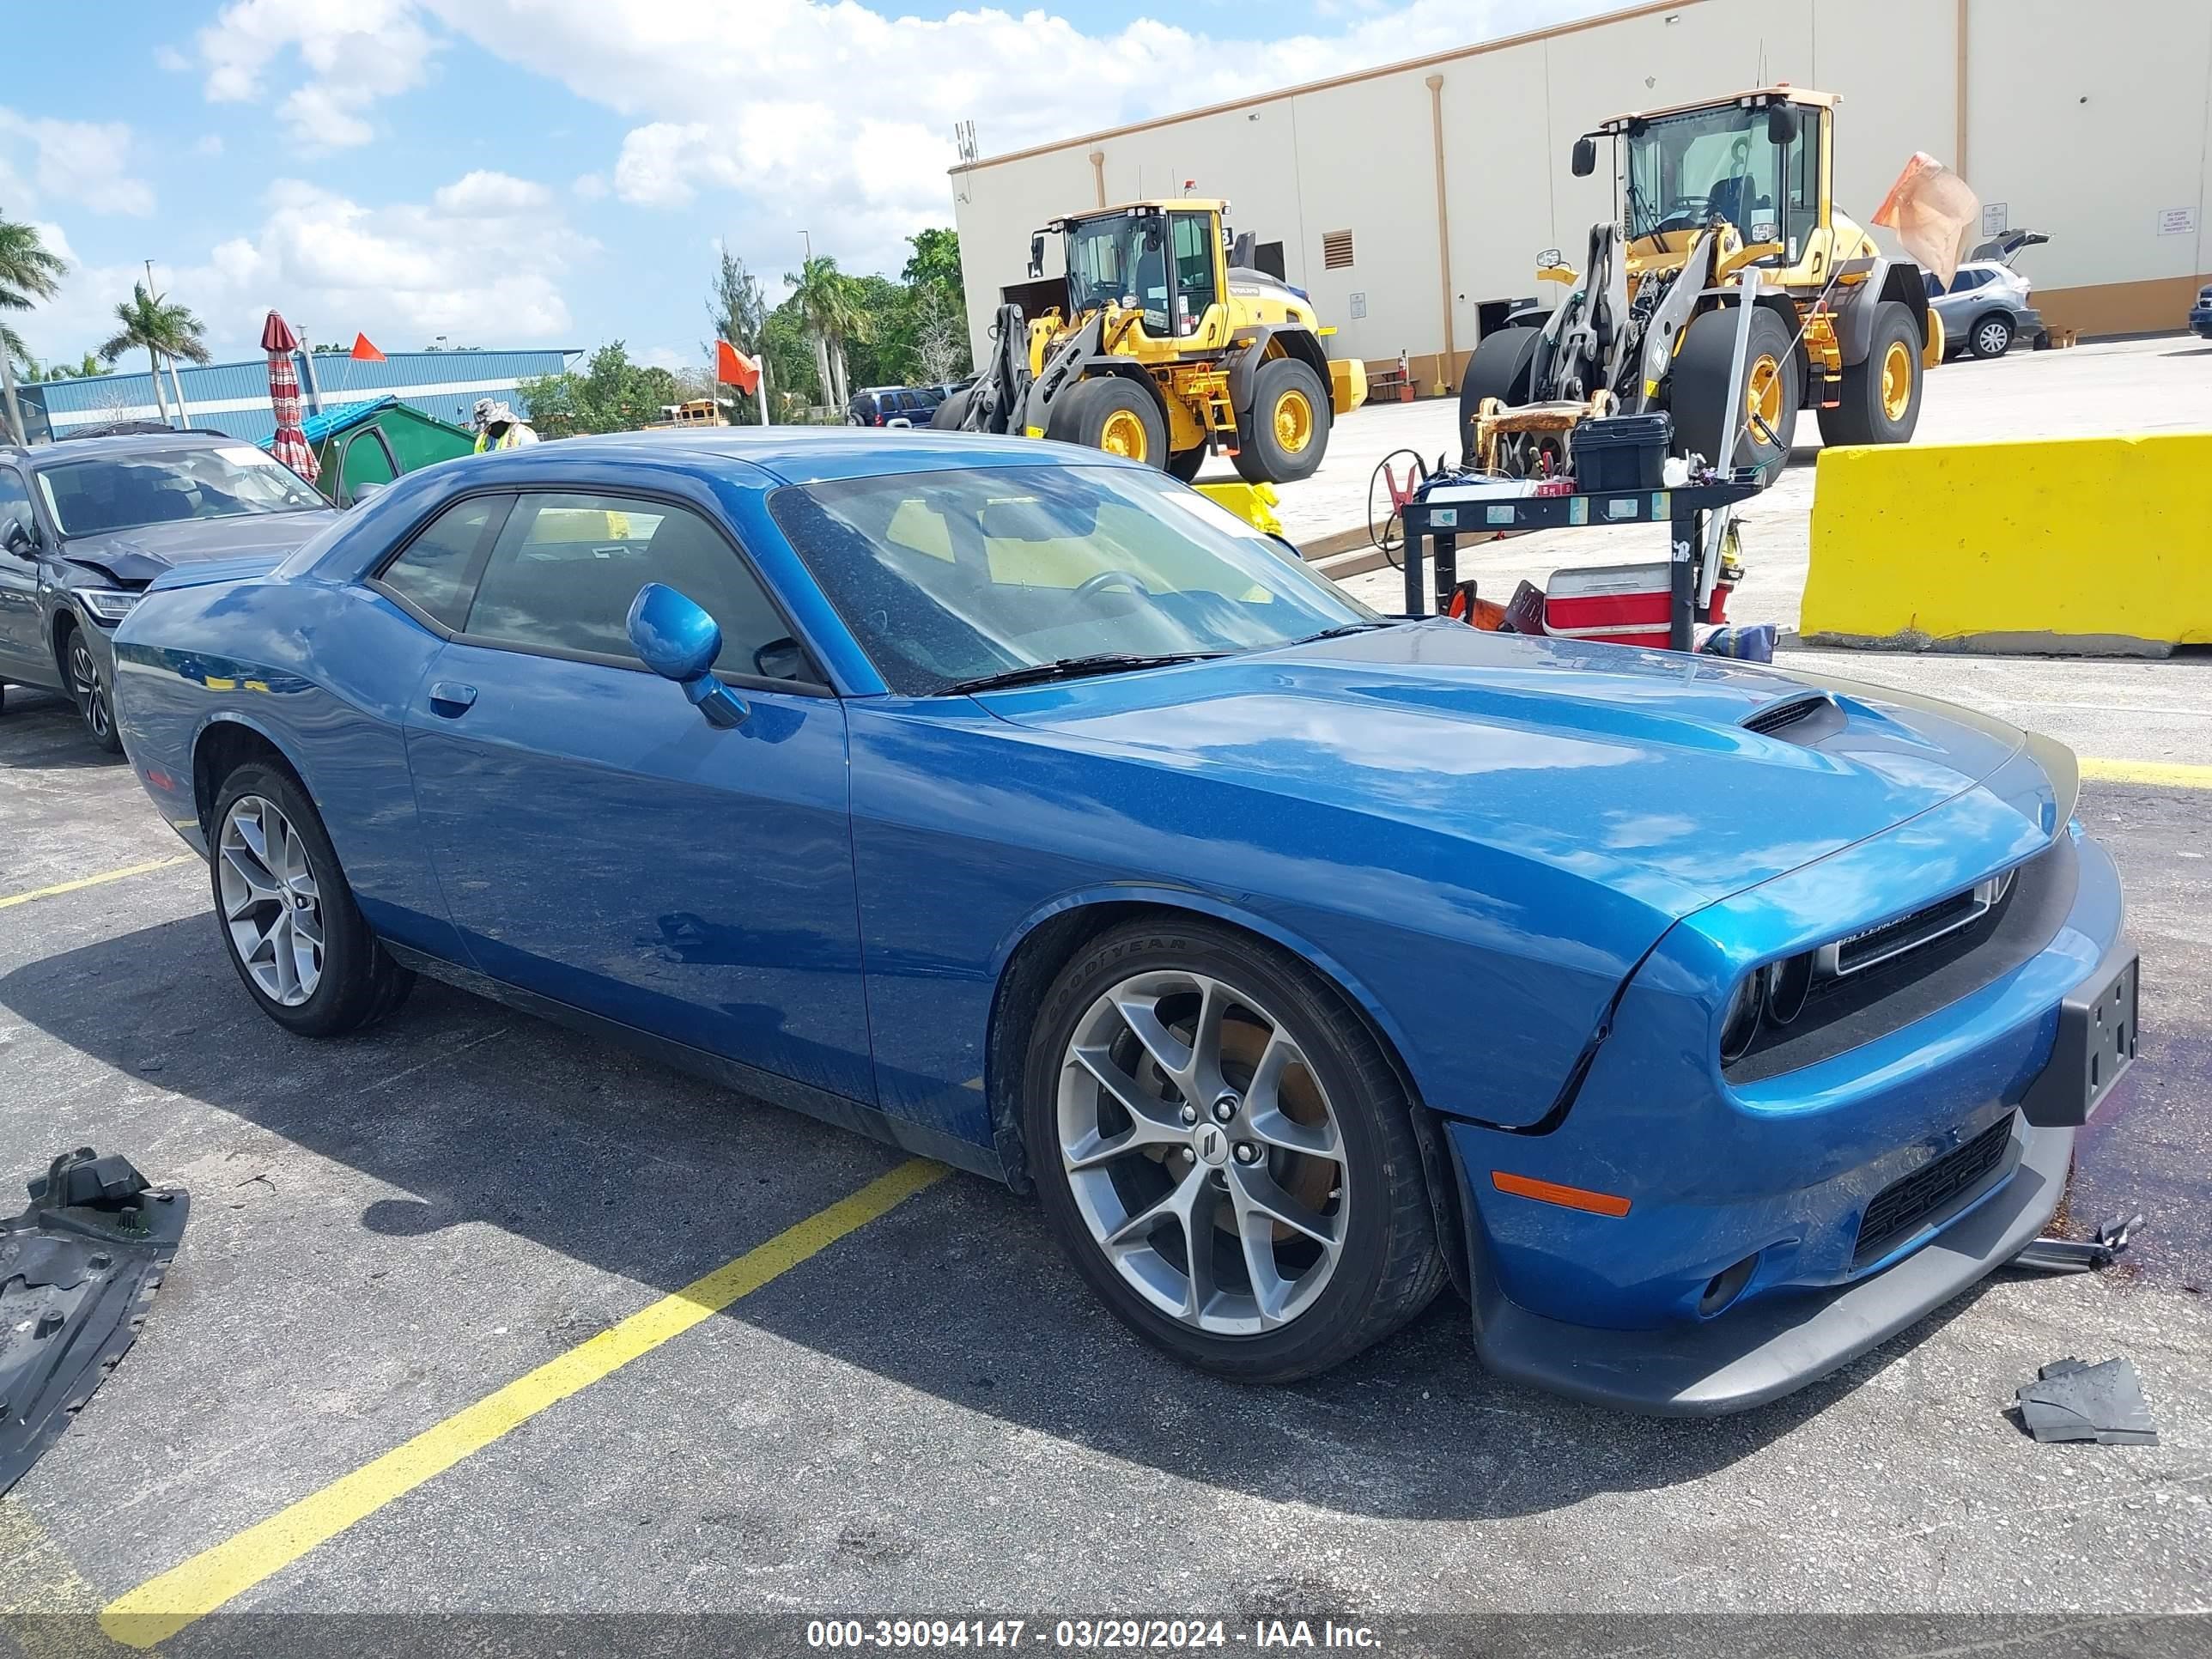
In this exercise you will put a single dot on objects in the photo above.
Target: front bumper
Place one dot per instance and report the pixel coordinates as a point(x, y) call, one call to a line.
point(1775, 1344)
point(2200, 321)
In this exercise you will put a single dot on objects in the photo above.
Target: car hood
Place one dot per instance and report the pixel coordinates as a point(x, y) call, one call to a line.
point(1630, 767)
point(134, 556)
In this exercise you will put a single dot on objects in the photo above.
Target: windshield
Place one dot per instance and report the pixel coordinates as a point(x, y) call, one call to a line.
point(1120, 258)
point(1686, 170)
point(92, 498)
point(949, 577)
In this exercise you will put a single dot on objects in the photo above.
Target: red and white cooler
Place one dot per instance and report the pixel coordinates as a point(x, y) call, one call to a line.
point(1620, 604)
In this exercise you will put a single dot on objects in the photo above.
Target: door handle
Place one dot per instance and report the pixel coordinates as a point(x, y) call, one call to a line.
point(452, 699)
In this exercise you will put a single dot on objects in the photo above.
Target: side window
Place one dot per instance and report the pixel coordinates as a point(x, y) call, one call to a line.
point(15, 499)
point(433, 573)
point(565, 569)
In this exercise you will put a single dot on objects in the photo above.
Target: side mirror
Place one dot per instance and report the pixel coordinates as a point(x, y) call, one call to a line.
point(1583, 161)
point(18, 540)
point(1781, 125)
point(1037, 255)
point(676, 638)
point(1243, 253)
point(367, 488)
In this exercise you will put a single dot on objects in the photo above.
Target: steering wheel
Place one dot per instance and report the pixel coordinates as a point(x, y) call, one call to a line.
point(1106, 579)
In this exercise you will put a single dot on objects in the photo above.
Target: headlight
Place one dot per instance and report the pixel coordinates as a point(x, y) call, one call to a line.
point(107, 605)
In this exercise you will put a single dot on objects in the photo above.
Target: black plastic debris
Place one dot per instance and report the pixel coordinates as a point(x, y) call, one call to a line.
point(2079, 1255)
point(2073, 1400)
point(78, 1270)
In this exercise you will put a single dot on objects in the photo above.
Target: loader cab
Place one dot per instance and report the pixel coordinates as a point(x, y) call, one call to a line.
point(1758, 161)
point(1163, 260)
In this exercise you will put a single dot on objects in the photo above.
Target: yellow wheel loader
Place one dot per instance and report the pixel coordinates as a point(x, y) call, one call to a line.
point(1172, 346)
point(1707, 195)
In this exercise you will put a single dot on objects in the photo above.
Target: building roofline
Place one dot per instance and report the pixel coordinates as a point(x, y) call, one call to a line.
point(1527, 37)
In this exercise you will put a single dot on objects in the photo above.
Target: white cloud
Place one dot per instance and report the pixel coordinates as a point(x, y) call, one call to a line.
point(208, 144)
point(589, 187)
point(81, 163)
point(352, 55)
point(828, 112)
point(480, 261)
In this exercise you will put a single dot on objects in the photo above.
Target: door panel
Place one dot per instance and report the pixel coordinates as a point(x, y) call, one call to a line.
point(22, 641)
point(598, 842)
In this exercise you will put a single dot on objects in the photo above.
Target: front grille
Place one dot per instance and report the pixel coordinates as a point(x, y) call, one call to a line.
point(1878, 943)
point(1904, 1206)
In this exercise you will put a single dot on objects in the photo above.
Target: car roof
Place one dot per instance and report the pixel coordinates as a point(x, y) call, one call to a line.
point(810, 454)
point(120, 447)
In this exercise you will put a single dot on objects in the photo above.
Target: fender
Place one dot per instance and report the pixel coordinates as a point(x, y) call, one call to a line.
point(1297, 340)
point(1215, 909)
point(1886, 279)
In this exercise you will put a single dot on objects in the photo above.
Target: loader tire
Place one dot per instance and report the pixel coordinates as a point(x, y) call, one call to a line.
point(1500, 369)
point(1882, 396)
point(1283, 436)
point(1113, 415)
point(948, 415)
point(1185, 464)
point(1698, 390)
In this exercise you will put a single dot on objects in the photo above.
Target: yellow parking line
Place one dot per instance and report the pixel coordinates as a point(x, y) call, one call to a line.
point(2172, 774)
point(162, 1606)
point(83, 882)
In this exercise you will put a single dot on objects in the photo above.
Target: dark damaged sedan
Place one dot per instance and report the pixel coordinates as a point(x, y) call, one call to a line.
point(85, 525)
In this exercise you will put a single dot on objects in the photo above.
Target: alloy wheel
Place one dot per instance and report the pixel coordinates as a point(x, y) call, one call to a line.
point(1203, 1152)
point(84, 685)
point(1993, 338)
point(271, 904)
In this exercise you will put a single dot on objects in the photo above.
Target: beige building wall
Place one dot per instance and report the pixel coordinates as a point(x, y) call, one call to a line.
point(2095, 129)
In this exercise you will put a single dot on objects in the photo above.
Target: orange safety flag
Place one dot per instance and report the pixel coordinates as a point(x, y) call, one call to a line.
point(1934, 212)
point(364, 353)
point(733, 367)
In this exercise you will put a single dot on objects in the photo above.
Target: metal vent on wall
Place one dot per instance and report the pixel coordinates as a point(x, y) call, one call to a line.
point(1336, 249)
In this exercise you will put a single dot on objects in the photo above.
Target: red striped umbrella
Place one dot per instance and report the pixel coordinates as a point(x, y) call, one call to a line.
point(291, 445)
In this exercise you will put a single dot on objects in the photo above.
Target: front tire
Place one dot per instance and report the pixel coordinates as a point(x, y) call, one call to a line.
point(1114, 416)
point(1184, 466)
point(948, 415)
point(1500, 369)
point(1698, 390)
point(96, 703)
point(1225, 1154)
point(1282, 437)
point(1880, 396)
point(290, 924)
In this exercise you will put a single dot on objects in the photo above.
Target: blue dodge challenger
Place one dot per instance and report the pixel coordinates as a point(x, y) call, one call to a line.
point(1702, 1025)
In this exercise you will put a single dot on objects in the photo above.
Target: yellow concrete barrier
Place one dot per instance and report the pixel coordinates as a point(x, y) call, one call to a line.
point(2075, 546)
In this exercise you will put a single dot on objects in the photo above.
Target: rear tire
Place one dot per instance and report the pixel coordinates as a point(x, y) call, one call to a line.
point(1500, 369)
point(1991, 337)
point(1186, 465)
point(1282, 437)
point(1878, 407)
point(1697, 388)
point(948, 415)
point(1272, 1302)
point(1113, 415)
point(354, 983)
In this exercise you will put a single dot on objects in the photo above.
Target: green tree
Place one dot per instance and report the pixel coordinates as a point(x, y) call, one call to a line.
point(612, 394)
point(738, 311)
point(935, 262)
point(29, 271)
point(149, 322)
point(830, 302)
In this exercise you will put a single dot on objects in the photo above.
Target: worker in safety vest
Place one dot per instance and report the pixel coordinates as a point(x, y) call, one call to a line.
point(499, 427)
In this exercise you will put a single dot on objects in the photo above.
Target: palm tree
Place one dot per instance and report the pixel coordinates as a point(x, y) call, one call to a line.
point(163, 330)
point(830, 302)
point(29, 270)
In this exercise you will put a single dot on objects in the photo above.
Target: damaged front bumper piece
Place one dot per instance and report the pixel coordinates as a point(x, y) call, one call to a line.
point(78, 1270)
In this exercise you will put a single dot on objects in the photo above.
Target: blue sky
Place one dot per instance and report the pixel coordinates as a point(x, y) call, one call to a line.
point(557, 172)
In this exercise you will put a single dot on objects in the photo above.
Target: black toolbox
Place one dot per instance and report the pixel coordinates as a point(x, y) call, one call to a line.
point(1619, 451)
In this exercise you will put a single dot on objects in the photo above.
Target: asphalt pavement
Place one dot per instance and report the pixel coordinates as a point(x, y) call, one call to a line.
point(915, 1408)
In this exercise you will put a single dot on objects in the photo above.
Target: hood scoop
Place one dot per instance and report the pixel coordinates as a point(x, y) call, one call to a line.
point(1803, 720)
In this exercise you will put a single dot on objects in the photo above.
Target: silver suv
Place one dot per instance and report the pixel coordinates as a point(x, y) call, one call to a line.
point(1986, 307)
